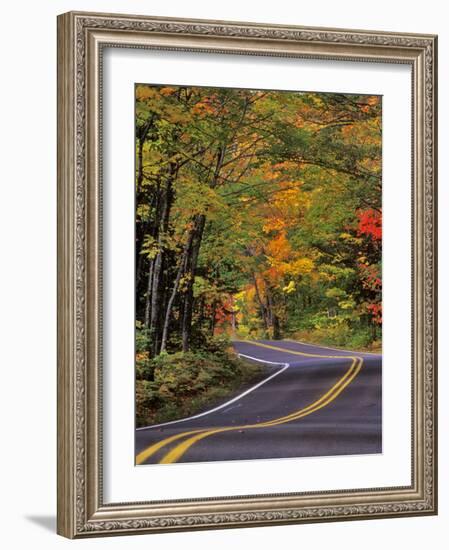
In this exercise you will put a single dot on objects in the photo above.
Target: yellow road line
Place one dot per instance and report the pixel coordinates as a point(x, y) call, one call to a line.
point(303, 353)
point(334, 349)
point(177, 452)
point(149, 451)
point(204, 432)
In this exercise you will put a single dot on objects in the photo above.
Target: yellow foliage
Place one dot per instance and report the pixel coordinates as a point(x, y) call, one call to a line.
point(145, 92)
point(302, 266)
point(167, 91)
point(291, 287)
point(274, 224)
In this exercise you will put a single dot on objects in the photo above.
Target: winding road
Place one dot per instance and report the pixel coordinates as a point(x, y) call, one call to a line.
point(312, 401)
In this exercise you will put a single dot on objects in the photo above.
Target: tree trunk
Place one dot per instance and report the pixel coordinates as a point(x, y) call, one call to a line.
point(276, 328)
point(233, 322)
point(155, 304)
point(263, 308)
point(212, 319)
point(181, 270)
point(148, 296)
point(139, 262)
point(191, 268)
point(157, 290)
point(273, 319)
point(142, 230)
point(140, 164)
point(142, 136)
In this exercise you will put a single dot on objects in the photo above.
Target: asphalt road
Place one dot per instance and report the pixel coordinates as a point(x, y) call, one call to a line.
point(313, 401)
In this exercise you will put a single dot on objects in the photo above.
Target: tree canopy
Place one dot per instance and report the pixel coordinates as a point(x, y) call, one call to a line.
point(258, 213)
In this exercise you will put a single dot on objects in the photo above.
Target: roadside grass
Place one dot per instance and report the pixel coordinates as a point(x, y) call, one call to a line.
point(357, 341)
point(176, 385)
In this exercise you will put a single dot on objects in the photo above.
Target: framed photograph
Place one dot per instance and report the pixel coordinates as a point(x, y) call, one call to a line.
point(246, 274)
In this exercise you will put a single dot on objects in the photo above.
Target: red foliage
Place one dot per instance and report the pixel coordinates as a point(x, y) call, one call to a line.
point(224, 311)
point(370, 223)
point(376, 312)
point(221, 315)
point(370, 277)
point(371, 280)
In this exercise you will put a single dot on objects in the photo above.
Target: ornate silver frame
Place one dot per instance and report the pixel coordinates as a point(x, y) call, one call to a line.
point(81, 511)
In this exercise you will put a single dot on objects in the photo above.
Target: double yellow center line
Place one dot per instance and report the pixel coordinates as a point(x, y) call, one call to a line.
point(175, 453)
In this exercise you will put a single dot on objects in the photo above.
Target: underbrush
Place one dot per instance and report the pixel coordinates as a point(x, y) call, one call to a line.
point(175, 385)
point(340, 335)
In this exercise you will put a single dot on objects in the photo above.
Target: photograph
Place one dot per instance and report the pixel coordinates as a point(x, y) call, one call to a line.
point(258, 274)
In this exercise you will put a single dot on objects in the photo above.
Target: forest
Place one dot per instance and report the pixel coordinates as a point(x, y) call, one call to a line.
point(258, 216)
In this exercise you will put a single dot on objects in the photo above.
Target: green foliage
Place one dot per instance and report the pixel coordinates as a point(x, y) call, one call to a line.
point(181, 374)
point(142, 338)
point(219, 345)
point(147, 399)
point(144, 366)
point(341, 334)
point(184, 383)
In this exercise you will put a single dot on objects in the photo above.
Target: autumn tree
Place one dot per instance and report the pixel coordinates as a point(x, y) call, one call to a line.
point(255, 211)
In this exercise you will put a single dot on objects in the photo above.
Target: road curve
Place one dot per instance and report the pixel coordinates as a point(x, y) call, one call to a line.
point(313, 401)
